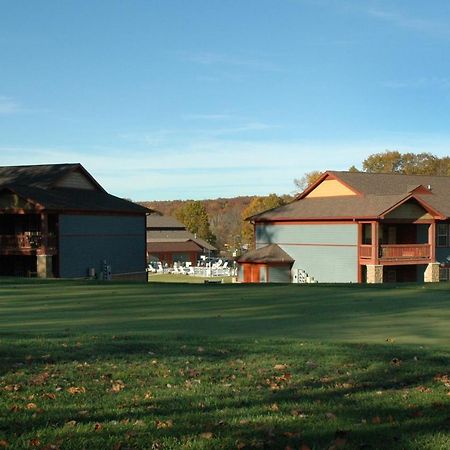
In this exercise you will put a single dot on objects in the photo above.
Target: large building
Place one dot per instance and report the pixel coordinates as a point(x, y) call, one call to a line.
point(168, 241)
point(57, 221)
point(355, 227)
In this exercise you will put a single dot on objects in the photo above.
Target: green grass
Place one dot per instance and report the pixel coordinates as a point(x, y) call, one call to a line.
point(193, 366)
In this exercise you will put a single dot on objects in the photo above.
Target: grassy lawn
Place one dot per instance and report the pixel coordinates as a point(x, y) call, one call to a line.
point(194, 366)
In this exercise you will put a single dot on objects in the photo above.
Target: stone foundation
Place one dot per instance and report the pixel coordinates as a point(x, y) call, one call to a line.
point(374, 274)
point(44, 266)
point(432, 273)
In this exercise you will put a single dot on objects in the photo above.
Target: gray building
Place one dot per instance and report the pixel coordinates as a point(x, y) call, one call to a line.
point(57, 221)
point(352, 227)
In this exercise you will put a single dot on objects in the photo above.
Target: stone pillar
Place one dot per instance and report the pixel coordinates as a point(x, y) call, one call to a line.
point(432, 273)
point(44, 266)
point(374, 273)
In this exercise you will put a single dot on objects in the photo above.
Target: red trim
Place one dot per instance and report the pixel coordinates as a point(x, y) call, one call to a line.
point(316, 220)
point(314, 245)
point(421, 190)
point(425, 205)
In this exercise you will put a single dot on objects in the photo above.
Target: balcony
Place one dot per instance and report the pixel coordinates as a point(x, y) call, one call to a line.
point(398, 252)
point(28, 242)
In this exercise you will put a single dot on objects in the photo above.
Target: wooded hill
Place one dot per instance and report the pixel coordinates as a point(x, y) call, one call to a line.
point(224, 214)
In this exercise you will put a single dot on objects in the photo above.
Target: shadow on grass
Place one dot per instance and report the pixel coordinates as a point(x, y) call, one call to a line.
point(357, 395)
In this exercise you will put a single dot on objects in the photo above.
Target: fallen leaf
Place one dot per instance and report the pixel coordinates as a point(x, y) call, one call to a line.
point(76, 390)
point(376, 420)
point(396, 362)
point(12, 387)
point(35, 442)
point(71, 423)
point(31, 406)
point(206, 435)
point(98, 426)
point(49, 395)
point(117, 386)
point(280, 367)
point(161, 424)
point(3, 443)
point(40, 379)
point(330, 416)
point(304, 447)
point(274, 407)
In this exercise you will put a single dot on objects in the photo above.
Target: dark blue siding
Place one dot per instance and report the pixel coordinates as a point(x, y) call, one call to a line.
point(86, 241)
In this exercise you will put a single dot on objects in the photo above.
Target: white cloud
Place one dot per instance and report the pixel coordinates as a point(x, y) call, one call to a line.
point(219, 59)
point(217, 167)
point(9, 106)
point(420, 83)
point(405, 21)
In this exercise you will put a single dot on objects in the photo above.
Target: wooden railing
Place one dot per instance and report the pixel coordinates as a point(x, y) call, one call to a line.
point(365, 251)
point(401, 252)
point(26, 241)
point(405, 251)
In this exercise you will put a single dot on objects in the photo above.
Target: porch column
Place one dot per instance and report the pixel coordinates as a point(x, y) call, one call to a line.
point(374, 273)
point(44, 266)
point(432, 273)
point(374, 237)
point(432, 241)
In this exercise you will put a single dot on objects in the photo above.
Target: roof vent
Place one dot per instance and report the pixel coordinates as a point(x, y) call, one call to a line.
point(429, 187)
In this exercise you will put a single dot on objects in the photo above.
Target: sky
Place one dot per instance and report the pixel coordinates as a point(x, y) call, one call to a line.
point(176, 99)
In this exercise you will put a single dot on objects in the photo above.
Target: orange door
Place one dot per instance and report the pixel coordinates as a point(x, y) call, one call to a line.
point(247, 273)
point(255, 273)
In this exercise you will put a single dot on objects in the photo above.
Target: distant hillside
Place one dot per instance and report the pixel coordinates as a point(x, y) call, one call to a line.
point(225, 216)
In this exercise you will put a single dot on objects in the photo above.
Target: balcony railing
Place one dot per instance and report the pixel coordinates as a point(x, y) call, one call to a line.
point(26, 241)
point(400, 252)
point(405, 251)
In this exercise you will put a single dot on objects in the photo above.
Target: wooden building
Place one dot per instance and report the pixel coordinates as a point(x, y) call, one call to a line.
point(168, 241)
point(57, 221)
point(361, 227)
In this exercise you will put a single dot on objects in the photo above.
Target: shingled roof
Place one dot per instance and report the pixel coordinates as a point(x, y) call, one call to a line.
point(161, 228)
point(36, 184)
point(378, 193)
point(43, 176)
point(271, 253)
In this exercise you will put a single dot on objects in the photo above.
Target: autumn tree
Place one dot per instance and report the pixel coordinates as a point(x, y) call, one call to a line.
point(307, 180)
point(407, 163)
point(256, 206)
point(194, 217)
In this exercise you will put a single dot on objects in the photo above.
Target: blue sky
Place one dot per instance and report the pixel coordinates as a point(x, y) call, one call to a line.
point(202, 99)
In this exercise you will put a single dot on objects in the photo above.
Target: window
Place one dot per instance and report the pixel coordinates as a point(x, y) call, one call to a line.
point(367, 234)
point(442, 237)
point(444, 273)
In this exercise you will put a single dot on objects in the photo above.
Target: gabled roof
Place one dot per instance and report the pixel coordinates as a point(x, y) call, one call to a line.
point(271, 253)
point(158, 221)
point(376, 195)
point(166, 229)
point(44, 176)
point(38, 186)
point(65, 199)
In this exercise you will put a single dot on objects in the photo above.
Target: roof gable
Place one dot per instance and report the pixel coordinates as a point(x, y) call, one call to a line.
point(328, 185)
point(48, 176)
